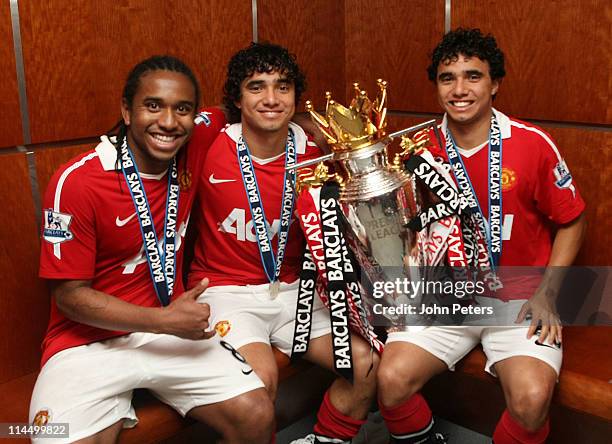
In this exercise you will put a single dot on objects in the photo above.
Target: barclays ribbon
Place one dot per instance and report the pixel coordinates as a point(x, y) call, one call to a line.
point(492, 229)
point(272, 265)
point(303, 309)
point(339, 309)
point(162, 264)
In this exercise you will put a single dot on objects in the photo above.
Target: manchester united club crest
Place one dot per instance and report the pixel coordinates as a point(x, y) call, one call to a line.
point(508, 179)
point(222, 328)
point(42, 417)
point(185, 180)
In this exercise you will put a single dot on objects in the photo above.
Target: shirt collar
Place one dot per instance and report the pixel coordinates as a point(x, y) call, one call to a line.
point(107, 153)
point(502, 119)
point(235, 131)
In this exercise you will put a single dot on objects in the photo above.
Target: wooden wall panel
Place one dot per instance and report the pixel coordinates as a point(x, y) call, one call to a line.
point(50, 159)
point(391, 39)
point(557, 55)
point(24, 299)
point(77, 54)
point(315, 35)
point(588, 155)
point(397, 122)
point(10, 123)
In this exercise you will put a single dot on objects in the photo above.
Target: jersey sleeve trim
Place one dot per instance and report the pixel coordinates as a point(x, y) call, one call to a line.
point(542, 134)
point(57, 252)
point(64, 176)
point(571, 213)
point(68, 275)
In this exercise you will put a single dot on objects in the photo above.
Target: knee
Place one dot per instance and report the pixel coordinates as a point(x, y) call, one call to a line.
point(270, 381)
point(529, 404)
point(366, 362)
point(253, 420)
point(395, 384)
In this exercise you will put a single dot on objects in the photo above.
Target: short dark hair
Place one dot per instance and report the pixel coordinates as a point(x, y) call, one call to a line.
point(259, 58)
point(469, 42)
point(157, 63)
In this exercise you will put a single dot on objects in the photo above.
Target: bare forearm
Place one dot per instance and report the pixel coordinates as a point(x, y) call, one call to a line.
point(83, 304)
point(184, 317)
point(564, 250)
point(567, 243)
point(542, 306)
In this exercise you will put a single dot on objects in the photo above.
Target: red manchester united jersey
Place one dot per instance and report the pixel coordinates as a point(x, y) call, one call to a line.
point(537, 192)
point(226, 251)
point(91, 232)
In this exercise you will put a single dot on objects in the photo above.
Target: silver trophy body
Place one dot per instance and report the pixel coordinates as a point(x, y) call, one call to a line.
point(377, 201)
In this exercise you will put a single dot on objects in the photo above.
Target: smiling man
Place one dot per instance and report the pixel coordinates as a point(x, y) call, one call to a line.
point(248, 246)
point(121, 319)
point(523, 188)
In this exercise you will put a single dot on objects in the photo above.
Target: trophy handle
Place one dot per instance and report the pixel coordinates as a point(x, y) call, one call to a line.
point(330, 156)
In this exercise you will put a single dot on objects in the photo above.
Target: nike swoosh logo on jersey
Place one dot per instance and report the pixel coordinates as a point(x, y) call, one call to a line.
point(122, 222)
point(212, 179)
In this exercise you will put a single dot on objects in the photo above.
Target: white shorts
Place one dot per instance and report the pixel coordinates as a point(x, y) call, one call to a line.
point(450, 344)
point(90, 386)
point(255, 316)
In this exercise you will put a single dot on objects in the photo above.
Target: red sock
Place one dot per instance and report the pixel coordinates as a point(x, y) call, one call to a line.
point(408, 421)
point(273, 440)
point(332, 423)
point(509, 431)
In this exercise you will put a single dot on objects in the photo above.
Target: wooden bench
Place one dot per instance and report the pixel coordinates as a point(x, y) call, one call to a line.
point(581, 410)
point(157, 421)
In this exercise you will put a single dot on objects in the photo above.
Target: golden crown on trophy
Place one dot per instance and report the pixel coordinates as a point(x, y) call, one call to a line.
point(360, 125)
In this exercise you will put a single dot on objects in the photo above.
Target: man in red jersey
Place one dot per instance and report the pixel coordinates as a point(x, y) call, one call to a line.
point(518, 192)
point(247, 245)
point(114, 223)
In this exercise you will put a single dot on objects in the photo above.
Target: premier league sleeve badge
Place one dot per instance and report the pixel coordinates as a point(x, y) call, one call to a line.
point(57, 227)
point(563, 177)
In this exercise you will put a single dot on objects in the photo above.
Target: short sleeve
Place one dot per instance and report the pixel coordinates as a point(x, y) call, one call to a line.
point(68, 243)
point(556, 192)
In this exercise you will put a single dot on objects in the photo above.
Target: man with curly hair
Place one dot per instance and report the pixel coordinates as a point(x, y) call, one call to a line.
point(249, 249)
point(467, 68)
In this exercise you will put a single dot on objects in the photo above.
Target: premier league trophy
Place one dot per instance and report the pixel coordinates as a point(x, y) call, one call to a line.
point(379, 201)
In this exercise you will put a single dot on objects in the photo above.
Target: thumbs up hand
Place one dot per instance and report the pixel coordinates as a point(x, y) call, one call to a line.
point(187, 318)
